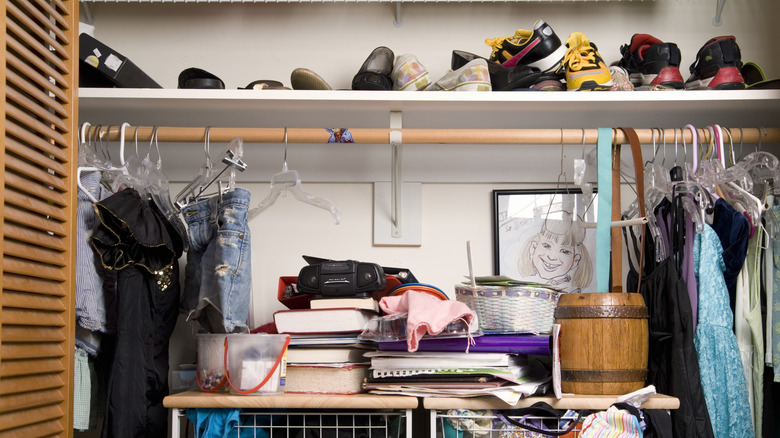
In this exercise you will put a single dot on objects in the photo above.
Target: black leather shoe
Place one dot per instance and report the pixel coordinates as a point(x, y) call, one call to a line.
point(501, 78)
point(374, 74)
point(197, 78)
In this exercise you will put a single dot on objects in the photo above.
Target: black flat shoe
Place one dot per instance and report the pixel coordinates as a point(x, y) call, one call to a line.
point(198, 78)
point(374, 74)
point(501, 78)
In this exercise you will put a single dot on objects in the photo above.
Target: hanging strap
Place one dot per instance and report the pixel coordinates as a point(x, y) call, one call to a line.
point(636, 152)
point(605, 206)
point(616, 235)
point(609, 208)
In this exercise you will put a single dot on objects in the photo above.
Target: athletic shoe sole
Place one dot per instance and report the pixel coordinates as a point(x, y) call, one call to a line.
point(593, 86)
point(727, 78)
point(669, 77)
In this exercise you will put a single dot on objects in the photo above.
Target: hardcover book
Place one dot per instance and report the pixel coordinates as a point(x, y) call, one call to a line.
point(340, 320)
point(326, 379)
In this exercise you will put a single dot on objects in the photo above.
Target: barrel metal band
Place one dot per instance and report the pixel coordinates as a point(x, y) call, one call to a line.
point(602, 312)
point(604, 375)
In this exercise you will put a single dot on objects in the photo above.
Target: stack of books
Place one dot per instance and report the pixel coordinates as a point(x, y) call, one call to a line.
point(325, 355)
point(456, 374)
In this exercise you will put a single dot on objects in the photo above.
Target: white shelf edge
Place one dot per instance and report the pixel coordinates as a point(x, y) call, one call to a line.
point(427, 97)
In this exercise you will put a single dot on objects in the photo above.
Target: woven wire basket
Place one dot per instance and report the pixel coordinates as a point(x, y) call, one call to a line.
point(517, 309)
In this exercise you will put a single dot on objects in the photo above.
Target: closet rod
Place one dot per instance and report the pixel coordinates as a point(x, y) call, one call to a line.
point(566, 136)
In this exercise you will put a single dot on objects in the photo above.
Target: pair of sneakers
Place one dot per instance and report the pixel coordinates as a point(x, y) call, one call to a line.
point(382, 71)
point(577, 62)
point(652, 63)
point(409, 74)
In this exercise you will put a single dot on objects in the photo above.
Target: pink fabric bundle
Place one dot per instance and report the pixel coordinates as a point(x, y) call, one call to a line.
point(425, 314)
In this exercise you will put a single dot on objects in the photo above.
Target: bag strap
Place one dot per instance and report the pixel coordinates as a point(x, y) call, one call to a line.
point(609, 207)
point(639, 174)
point(538, 409)
point(605, 206)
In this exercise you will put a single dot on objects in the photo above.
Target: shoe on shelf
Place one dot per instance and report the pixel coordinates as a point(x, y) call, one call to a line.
point(502, 78)
point(305, 79)
point(474, 76)
point(540, 48)
point(375, 72)
point(585, 68)
point(620, 80)
point(650, 62)
point(549, 82)
point(409, 74)
point(717, 66)
point(755, 78)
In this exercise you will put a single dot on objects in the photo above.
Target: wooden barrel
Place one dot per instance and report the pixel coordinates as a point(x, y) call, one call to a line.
point(603, 342)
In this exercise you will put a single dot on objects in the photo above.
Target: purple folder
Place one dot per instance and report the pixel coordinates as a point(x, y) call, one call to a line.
point(516, 344)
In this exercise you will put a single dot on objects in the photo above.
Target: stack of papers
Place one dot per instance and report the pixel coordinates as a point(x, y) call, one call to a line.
point(455, 374)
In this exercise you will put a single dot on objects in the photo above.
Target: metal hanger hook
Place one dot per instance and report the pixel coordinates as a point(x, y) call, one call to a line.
point(284, 164)
point(760, 128)
point(207, 146)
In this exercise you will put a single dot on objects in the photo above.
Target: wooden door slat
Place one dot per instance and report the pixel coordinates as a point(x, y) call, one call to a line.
point(44, 98)
point(33, 204)
point(39, 270)
point(25, 300)
point(34, 318)
point(25, 64)
point(15, 333)
point(34, 141)
point(30, 367)
point(37, 254)
point(39, 286)
point(35, 36)
point(53, 13)
point(30, 400)
point(25, 185)
point(34, 107)
point(45, 24)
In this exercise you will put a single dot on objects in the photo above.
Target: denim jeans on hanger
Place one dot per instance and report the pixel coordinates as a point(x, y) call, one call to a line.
point(218, 275)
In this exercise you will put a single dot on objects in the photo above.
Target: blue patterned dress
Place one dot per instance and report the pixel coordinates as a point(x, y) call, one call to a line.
point(722, 376)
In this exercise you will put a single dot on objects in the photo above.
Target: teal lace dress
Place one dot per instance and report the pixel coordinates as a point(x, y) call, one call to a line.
point(722, 376)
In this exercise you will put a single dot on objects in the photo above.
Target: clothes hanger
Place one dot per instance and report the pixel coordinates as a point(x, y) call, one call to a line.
point(231, 157)
point(158, 188)
point(289, 181)
point(657, 184)
point(188, 193)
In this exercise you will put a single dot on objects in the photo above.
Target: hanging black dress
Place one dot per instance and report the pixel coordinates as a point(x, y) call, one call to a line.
point(673, 366)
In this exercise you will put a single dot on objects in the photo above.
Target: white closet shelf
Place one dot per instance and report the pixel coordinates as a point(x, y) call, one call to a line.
point(371, 109)
point(348, 1)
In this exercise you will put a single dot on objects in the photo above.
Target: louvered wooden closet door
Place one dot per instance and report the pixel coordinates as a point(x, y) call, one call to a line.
point(38, 208)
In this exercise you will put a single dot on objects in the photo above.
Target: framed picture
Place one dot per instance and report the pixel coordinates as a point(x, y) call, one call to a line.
point(546, 236)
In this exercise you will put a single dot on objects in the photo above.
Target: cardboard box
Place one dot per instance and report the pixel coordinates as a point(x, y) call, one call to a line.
point(101, 66)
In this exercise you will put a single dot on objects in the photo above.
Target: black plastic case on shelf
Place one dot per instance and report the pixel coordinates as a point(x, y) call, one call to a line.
point(102, 67)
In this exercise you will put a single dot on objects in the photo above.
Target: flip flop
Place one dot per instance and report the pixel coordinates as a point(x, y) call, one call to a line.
point(755, 78)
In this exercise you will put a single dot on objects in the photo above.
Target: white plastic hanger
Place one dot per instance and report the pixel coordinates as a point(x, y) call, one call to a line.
point(289, 181)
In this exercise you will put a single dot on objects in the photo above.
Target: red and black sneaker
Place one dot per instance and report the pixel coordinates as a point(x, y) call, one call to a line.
point(717, 66)
point(651, 62)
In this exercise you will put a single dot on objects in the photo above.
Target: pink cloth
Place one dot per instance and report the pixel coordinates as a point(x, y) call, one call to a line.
point(425, 314)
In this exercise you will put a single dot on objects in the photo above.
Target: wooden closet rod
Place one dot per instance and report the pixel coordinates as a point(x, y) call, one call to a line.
point(568, 136)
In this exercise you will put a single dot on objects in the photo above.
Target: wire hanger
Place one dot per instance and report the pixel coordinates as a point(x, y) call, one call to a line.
point(289, 181)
